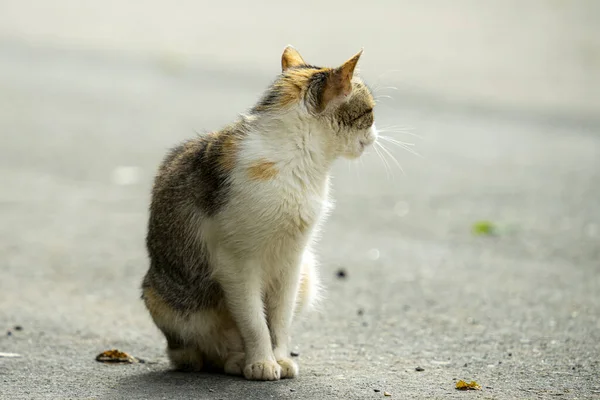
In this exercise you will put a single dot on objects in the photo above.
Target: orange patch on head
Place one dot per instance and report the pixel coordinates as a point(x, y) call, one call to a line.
point(294, 84)
point(262, 170)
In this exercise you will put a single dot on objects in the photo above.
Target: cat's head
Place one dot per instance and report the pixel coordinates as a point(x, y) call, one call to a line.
point(336, 100)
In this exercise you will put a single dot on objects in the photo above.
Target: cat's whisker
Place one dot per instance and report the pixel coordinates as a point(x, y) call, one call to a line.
point(385, 163)
point(386, 166)
point(398, 127)
point(397, 131)
point(396, 141)
point(391, 156)
point(387, 88)
point(402, 145)
point(383, 155)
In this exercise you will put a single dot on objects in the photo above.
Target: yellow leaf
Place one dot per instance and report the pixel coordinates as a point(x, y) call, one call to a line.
point(462, 385)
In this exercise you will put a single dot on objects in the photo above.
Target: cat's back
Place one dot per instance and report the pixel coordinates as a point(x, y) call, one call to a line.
point(197, 172)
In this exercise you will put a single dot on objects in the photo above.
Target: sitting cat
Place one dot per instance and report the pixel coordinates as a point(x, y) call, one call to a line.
point(234, 214)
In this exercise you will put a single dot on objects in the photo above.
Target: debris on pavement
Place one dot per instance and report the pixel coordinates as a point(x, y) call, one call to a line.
point(9, 355)
point(341, 273)
point(18, 328)
point(377, 390)
point(294, 354)
point(387, 394)
point(117, 356)
point(462, 385)
point(419, 369)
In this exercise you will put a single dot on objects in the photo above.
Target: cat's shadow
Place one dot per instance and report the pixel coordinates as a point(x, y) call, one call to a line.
point(168, 384)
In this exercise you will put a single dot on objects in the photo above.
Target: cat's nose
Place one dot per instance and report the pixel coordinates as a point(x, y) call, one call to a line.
point(367, 141)
point(372, 133)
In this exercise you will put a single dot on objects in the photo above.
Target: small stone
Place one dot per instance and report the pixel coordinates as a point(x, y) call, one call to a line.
point(294, 354)
point(360, 312)
point(499, 362)
point(211, 390)
point(387, 394)
point(8, 333)
point(419, 369)
point(292, 390)
point(510, 354)
point(377, 390)
point(18, 328)
point(466, 365)
point(341, 273)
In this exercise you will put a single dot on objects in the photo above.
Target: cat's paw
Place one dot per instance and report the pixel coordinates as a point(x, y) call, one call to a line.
point(289, 368)
point(234, 364)
point(263, 371)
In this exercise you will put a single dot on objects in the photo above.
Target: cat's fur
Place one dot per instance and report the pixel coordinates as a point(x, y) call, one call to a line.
point(234, 214)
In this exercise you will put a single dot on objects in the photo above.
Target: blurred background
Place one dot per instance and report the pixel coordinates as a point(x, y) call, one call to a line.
point(538, 55)
point(500, 99)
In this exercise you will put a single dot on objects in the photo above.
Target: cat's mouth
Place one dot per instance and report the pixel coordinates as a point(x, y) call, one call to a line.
point(363, 143)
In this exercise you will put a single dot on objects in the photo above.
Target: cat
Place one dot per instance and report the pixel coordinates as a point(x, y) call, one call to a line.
point(234, 215)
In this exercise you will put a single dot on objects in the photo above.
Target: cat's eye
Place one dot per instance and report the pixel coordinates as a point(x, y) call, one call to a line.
point(363, 114)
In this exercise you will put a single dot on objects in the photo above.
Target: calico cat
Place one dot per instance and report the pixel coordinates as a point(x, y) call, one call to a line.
point(234, 214)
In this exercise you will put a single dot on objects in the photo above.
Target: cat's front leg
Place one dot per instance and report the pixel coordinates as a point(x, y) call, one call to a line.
point(281, 300)
point(243, 293)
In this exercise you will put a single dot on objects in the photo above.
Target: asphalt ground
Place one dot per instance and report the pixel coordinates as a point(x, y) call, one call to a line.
point(83, 130)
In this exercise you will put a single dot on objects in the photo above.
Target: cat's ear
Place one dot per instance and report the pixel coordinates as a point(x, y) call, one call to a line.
point(339, 82)
point(291, 58)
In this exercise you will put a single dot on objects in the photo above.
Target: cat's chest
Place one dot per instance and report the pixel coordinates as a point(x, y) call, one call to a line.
point(291, 206)
point(300, 210)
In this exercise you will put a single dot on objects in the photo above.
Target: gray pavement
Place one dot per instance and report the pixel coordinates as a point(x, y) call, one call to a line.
point(83, 127)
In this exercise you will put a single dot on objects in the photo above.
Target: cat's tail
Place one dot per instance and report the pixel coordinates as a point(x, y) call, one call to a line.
point(310, 286)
